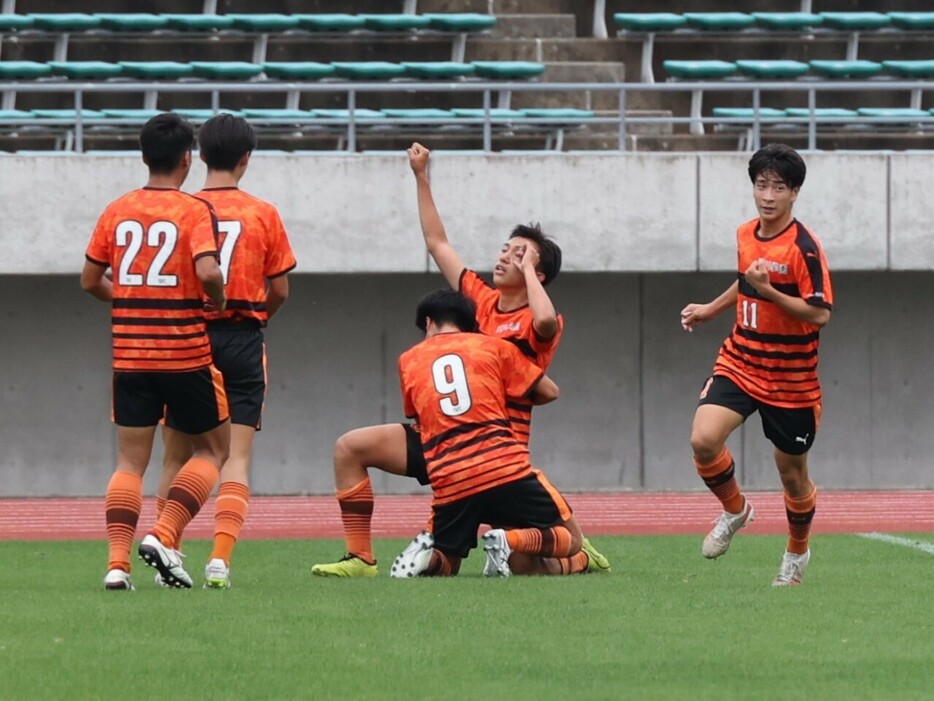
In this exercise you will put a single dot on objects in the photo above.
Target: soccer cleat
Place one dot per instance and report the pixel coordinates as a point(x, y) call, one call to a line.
point(118, 580)
point(596, 562)
point(792, 569)
point(158, 578)
point(725, 527)
point(348, 566)
point(497, 554)
point(216, 575)
point(413, 561)
point(167, 560)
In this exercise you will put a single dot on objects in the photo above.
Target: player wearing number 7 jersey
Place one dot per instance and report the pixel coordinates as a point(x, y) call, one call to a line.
point(255, 259)
point(161, 245)
point(768, 364)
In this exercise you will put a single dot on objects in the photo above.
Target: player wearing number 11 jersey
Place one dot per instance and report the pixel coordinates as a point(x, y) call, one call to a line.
point(255, 258)
point(782, 299)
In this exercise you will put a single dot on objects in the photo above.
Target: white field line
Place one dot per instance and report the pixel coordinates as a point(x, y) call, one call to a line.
point(921, 545)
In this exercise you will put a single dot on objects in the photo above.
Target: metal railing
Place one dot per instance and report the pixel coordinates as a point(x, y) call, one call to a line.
point(619, 119)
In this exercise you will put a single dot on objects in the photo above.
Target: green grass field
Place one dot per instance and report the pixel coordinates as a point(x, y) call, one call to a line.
point(665, 624)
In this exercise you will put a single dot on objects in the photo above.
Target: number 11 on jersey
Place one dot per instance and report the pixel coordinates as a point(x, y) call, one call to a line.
point(750, 314)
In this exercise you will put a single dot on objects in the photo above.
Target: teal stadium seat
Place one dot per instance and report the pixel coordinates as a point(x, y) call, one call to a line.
point(368, 70)
point(647, 24)
point(787, 21)
point(508, 70)
point(16, 116)
point(419, 115)
point(132, 115)
point(11, 22)
point(86, 70)
point(854, 23)
point(226, 70)
point(495, 113)
point(719, 21)
point(198, 23)
point(156, 70)
point(18, 70)
point(264, 22)
point(913, 20)
point(132, 21)
point(438, 70)
point(773, 69)
point(65, 21)
point(699, 70)
point(329, 22)
point(394, 22)
point(846, 69)
point(302, 70)
point(460, 21)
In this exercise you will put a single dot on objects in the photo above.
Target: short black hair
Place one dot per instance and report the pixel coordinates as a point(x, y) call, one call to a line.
point(224, 139)
point(446, 306)
point(164, 140)
point(780, 159)
point(549, 253)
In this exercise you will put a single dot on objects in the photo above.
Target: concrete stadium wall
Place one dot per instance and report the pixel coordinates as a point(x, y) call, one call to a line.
point(637, 250)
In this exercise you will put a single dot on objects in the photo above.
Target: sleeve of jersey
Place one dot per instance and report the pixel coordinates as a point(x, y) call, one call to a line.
point(279, 256)
point(473, 286)
point(98, 250)
point(519, 373)
point(203, 232)
point(814, 278)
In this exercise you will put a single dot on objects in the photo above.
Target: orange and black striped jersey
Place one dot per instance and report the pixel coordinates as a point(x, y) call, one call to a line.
point(151, 238)
point(514, 326)
point(253, 247)
point(770, 354)
point(455, 385)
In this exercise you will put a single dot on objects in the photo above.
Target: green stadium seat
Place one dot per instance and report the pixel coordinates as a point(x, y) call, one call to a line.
point(440, 70)
point(302, 70)
point(821, 112)
point(912, 20)
point(15, 115)
point(131, 21)
point(719, 21)
point(131, 114)
point(508, 70)
point(460, 21)
point(495, 113)
point(895, 112)
point(198, 23)
point(910, 69)
point(846, 69)
point(199, 114)
point(368, 70)
point(86, 70)
point(330, 22)
point(787, 21)
point(395, 23)
point(557, 113)
point(344, 115)
point(67, 114)
point(747, 113)
point(65, 21)
point(649, 21)
point(773, 69)
point(13, 70)
point(263, 22)
point(855, 21)
point(417, 114)
point(156, 70)
point(226, 70)
point(699, 70)
point(275, 114)
point(11, 21)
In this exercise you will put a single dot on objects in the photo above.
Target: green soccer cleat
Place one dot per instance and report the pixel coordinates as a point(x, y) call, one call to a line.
point(596, 562)
point(348, 566)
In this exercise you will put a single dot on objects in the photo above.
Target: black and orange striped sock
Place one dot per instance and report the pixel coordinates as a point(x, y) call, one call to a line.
point(575, 564)
point(547, 542)
point(122, 506)
point(719, 478)
point(160, 507)
point(800, 513)
point(230, 509)
point(190, 489)
point(357, 512)
point(440, 566)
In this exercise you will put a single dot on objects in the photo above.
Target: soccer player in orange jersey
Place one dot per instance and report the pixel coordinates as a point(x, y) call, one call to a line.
point(255, 257)
point(768, 364)
point(456, 385)
point(161, 245)
point(516, 308)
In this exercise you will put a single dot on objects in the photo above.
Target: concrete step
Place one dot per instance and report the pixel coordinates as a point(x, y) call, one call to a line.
point(573, 72)
point(534, 26)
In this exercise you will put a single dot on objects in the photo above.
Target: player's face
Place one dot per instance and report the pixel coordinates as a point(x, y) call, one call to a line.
point(773, 197)
point(506, 272)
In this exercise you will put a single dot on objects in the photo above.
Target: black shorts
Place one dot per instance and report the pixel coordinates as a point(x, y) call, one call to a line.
point(792, 431)
point(195, 399)
point(414, 455)
point(530, 502)
point(239, 353)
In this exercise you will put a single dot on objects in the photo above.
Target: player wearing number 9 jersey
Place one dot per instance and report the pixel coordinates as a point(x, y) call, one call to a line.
point(455, 384)
point(255, 258)
point(161, 246)
point(782, 298)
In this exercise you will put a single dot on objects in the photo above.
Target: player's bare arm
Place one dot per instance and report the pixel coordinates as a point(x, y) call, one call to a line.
point(212, 280)
point(545, 392)
point(436, 238)
point(694, 315)
point(544, 316)
point(757, 276)
point(276, 294)
point(95, 282)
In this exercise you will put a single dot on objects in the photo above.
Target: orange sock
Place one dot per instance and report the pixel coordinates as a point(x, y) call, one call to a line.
point(230, 509)
point(160, 507)
point(800, 513)
point(357, 512)
point(719, 478)
point(575, 564)
point(122, 505)
point(190, 489)
point(440, 566)
point(547, 542)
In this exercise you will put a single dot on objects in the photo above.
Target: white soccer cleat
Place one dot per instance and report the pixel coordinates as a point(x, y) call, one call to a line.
point(413, 561)
point(216, 575)
point(497, 554)
point(725, 527)
point(792, 569)
point(118, 580)
point(167, 560)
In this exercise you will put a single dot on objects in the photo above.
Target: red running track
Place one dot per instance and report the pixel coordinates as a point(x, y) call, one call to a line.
point(401, 516)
